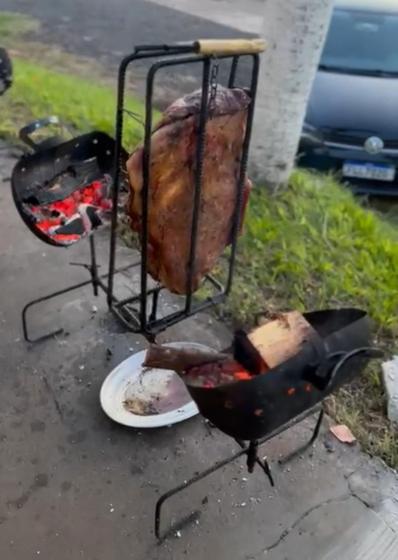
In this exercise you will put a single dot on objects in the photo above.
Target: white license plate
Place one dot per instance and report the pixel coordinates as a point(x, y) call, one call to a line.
point(377, 171)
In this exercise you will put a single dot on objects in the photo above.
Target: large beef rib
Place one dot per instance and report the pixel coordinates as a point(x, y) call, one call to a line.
point(172, 180)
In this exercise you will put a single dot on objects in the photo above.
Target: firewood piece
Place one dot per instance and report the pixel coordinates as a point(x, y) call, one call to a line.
point(178, 359)
point(247, 355)
point(282, 338)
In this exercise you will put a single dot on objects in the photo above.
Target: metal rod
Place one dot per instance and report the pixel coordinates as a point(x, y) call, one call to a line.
point(133, 299)
point(253, 458)
point(41, 300)
point(176, 48)
point(215, 282)
point(121, 83)
point(200, 153)
point(232, 75)
point(117, 170)
point(120, 314)
point(267, 470)
point(373, 352)
point(304, 447)
point(242, 174)
point(187, 483)
point(155, 299)
point(93, 265)
point(159, 325)
point(146, 158)
point(52, 295)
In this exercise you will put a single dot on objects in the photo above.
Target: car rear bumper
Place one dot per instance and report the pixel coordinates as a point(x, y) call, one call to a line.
point(331, 159)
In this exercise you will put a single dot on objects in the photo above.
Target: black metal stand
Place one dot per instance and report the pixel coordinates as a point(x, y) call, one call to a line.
point(95, 280)
point(304, 447)
point(139, 313)
point(145, 319)
point(251, 451)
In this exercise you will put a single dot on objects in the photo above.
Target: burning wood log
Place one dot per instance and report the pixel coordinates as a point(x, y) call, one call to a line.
point(179, 359)
point(264, 348)
point(282, 338)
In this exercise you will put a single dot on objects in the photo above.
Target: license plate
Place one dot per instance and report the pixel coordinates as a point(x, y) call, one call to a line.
point(377, 171)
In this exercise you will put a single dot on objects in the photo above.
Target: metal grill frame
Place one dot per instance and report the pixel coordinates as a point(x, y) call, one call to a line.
point(144, 319)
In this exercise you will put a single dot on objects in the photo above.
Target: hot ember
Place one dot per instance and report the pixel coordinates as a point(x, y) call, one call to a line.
point(217, 373)
point(66, 221)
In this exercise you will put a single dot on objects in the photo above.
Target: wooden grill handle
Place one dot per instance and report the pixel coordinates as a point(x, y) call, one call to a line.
point(220, 47)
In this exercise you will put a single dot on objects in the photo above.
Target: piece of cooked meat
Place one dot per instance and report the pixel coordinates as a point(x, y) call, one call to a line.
point(172, 180)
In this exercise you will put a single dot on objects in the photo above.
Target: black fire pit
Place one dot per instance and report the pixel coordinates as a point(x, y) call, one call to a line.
point(62, 190)
point(248, 410)
point(258, 409)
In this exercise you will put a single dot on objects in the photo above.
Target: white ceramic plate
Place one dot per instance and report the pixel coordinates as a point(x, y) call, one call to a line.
point(149, 399)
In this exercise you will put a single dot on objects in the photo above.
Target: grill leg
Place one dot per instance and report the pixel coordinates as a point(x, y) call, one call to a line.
point(304, 447)
point(93, 266)
point(95, 281)
point(154, 310)
point(253, 459)
point(186, 484)
point(40, 300)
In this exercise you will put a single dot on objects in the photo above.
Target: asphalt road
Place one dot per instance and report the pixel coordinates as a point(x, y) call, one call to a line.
point(108, 30)
point(100, 27)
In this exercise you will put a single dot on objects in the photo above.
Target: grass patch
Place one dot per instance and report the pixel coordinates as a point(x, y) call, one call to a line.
point(38, 92)
point(312, 246)
point(362, 406)
point(13, 24)
point(81, 94)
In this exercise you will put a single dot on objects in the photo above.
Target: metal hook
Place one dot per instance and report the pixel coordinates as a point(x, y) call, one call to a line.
point(135, 116)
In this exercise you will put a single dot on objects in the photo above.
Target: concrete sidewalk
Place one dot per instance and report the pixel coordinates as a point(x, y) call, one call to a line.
point(74, 485)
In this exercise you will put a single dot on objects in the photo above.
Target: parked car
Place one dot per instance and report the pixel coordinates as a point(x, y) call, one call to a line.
point(351, 125)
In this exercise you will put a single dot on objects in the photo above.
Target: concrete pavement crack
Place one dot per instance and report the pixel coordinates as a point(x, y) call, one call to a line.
point(343, 498)
point(357, 496)
point(369, 506)
point(54, 398)
point(305, 514)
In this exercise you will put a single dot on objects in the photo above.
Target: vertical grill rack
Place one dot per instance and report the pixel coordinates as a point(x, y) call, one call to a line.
point(140, 313)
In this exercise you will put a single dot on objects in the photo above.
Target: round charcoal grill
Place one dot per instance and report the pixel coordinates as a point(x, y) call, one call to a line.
point(62, 189)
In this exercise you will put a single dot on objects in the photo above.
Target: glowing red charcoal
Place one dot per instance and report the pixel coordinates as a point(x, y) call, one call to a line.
point(214, 374)
point(66, 221)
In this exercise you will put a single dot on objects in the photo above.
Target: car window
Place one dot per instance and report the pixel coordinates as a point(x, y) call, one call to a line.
point(362, 42)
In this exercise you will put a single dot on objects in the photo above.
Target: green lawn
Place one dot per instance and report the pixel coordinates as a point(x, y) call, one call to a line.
point(312, 246)
point(39, 91)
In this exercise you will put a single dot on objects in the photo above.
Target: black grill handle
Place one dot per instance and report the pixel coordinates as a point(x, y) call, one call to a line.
point(323, 375)
point(366, 351)
point(25, 134)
